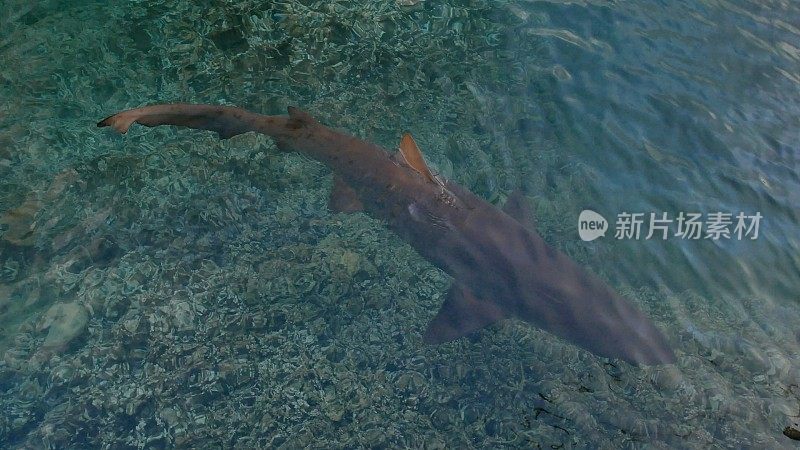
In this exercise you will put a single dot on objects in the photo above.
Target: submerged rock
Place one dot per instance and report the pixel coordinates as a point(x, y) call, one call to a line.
point(792, 433)
point(64, 322)
point(20, 223)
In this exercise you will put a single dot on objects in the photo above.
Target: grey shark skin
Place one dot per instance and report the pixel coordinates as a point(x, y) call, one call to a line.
point(501, 268)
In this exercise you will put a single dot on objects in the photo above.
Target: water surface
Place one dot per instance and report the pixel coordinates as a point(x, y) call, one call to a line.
point(217, 302)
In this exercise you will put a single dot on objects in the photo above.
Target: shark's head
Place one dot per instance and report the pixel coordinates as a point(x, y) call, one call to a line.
point(500, 262)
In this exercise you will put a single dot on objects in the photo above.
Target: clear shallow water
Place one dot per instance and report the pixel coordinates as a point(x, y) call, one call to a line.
point(225, 305)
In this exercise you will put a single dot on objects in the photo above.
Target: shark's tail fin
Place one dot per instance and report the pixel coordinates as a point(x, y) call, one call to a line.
point(226, 121)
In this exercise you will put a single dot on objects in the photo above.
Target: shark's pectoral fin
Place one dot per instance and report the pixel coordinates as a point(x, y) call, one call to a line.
point(344, 198)
point(461, 314)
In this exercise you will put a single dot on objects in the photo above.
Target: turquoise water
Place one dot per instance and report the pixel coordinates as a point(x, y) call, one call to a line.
point(168, 289)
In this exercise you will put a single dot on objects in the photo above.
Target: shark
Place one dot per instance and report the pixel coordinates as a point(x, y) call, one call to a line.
point(501, 267)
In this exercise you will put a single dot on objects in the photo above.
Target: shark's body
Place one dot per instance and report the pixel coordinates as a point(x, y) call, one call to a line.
point(501, 267)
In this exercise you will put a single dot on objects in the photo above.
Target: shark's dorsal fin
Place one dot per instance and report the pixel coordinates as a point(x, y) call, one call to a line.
point(461, 314)
point(413, 157)
point(344, 198)
point(299, 118)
